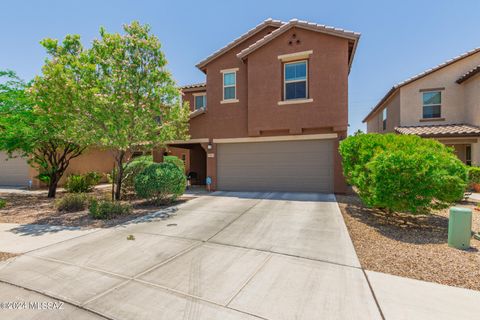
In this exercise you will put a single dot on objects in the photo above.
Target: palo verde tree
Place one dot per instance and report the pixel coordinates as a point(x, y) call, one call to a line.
point(41, 120)
point(137, 103)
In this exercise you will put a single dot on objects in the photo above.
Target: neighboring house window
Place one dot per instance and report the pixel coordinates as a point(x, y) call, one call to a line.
point(295, 80)
point(200, 101)
point(468, 155)
point(384, 119)
point(432, 103)
point(230, 85)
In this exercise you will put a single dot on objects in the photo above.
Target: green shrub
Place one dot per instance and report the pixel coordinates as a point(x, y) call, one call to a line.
point(131, 170)
point(160, 182)
point(78, 183)
point(72, 202)
point(403, 173)
point(3, 203)
point(105, 209)
point(474, 175)
point(176, 161)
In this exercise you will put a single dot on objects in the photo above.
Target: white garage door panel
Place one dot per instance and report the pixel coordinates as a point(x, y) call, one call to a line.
point(13, 171)
point(301, 166)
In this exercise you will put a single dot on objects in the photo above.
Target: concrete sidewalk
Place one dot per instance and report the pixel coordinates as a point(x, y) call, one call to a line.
point(21, 238)
point(229, 256)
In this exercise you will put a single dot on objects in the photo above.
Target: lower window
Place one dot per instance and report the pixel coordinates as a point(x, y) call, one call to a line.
point(431, 112)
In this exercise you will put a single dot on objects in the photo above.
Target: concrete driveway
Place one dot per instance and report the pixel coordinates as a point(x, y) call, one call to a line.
point(226, 256)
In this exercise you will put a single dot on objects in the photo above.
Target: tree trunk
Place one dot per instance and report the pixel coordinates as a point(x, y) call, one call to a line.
point(119, 175)
point(52, 186)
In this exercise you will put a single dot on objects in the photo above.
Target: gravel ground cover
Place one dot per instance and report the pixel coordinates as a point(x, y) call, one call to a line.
point(36, 208)
point(412, 246)
point(6, 255)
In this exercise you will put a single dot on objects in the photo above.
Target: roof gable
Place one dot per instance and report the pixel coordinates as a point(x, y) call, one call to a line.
point(353, 36)
point(267, 23)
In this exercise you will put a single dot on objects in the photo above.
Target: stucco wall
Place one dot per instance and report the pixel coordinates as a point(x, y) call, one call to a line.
point(453, 96)
point(224, 120)
point(472, 99)
point(327, 84)
point(374, 124)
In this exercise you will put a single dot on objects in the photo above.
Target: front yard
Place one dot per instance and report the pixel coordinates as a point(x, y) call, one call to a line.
point(36, 208)
point(411, 246)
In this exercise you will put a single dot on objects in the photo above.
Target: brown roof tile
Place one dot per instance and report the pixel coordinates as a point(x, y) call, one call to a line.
point(443, 130)
point(469, 74)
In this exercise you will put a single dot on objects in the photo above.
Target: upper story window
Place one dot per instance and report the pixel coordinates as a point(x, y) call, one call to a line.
point(295, 80)
point(432, 104)
point(384, 119)
point(230, 85)
point(200, 101)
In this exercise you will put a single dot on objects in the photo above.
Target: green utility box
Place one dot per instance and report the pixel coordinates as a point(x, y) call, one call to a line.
point(460, 228)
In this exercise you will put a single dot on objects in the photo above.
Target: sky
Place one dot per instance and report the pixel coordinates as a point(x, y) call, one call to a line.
point(399, 38)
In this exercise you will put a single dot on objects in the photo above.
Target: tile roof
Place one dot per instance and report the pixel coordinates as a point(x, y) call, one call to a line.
point(443, 130)
point(469, 74)
point(194, 85)
point(419, 76)
point(302, 24)
point(245, 36)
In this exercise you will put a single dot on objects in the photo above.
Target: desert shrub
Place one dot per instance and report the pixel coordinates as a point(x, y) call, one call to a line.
point(72, 202)
point(403, 173)
point(131, 170)
point(78, 183)
point(3, 203)
point(176, 161)
point(160, 182)
point(105, 209)
point(474, 175)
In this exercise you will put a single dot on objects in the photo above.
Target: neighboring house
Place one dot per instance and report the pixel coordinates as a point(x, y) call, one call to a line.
point(16, 172)
point(441, 103)
point(272, 111)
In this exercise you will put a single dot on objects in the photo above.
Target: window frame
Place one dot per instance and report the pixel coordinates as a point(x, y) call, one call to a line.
point(285, 81)
point(202, 94)
point(431, 105)
point(384, 119)
point(224, 72)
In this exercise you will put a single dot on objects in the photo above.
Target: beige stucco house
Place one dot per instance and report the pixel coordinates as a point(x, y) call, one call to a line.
point(441, 103)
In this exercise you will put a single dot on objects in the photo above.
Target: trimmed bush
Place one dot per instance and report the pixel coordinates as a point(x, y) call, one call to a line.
point(403, 173)
point(79, 183)
point(176, 161)
point(72, 202)
point(160, 182)
point(131, 170)
point(3, 203)
point(105, 209)
point(474, 175)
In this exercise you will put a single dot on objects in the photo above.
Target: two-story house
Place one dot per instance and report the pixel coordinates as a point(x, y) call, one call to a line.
point(442, 103)
point(272, 111)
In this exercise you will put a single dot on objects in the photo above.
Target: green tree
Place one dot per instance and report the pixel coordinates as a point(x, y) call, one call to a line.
point(138, 105)
point(40, 120)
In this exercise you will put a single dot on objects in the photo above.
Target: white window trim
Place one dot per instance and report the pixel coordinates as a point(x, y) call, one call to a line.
point(232, 100)
point(292, 81)
point(433, 104)
point(294, 101)
point(195, 95)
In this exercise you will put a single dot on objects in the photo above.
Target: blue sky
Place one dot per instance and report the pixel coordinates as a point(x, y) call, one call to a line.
point(399, 38)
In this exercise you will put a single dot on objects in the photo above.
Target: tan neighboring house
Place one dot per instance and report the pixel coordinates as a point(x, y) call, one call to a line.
point(442, 103)
point(272, 110)
point(15, 172)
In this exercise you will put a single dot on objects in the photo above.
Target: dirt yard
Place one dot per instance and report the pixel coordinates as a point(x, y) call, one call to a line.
point(6, 255)
point(413, 247)
point(38, 209)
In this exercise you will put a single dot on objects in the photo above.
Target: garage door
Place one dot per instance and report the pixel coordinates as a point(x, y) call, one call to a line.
point(14, 171)
point(290, 166)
